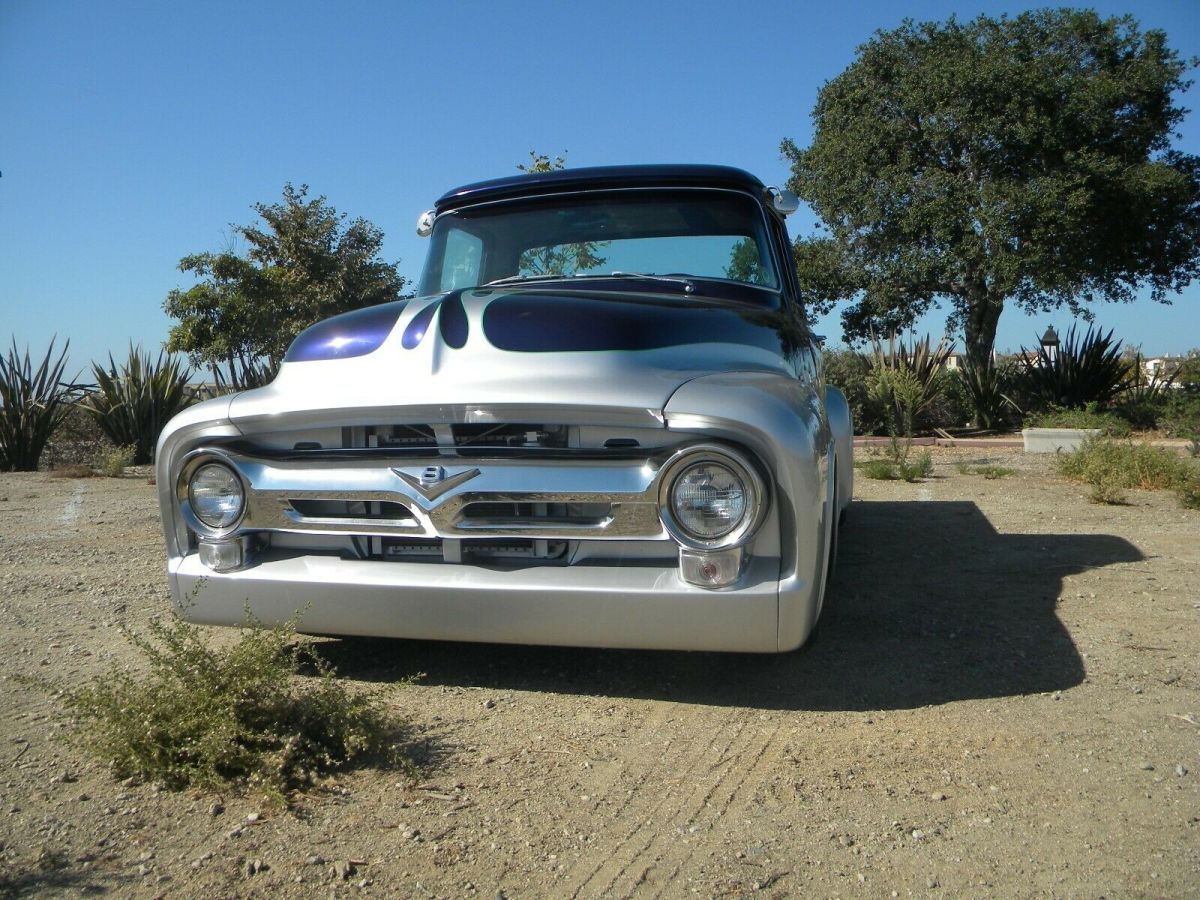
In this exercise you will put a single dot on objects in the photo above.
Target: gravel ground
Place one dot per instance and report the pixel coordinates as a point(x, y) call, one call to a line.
point(1004, 699)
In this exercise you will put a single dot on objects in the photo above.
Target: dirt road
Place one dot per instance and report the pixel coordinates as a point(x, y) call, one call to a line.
point(1004, 700)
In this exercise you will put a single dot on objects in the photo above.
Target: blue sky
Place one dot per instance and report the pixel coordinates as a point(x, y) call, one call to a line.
point(135, 133)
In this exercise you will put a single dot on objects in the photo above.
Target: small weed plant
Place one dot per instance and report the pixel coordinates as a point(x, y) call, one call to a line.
point(989, 471)
point(111, 461)
point(1111, 467)
point(73, 470)
point(237, 717)
point(911, 469)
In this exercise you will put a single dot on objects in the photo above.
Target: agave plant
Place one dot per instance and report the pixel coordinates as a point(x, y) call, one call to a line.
point(922, 360)
point(986, 385)
point(1084, 370)
point(243, 375)
point(33, 403)
point(131, 404)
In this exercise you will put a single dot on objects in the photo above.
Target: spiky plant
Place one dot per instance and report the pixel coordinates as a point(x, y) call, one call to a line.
point(922, 359)
point(33, 402)
point(986, 385)
point(1082, 371)
point(243, 375)
point(905, 380)
point(133, 402)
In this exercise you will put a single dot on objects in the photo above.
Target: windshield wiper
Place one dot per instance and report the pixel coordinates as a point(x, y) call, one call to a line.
point(512, 279)
point(665, 279)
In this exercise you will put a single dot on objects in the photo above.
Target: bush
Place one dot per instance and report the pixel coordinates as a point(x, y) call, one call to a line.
point(133, 403)
point(33, 402)
point(112, 461)
point(1180, 416)
point(1109, 425)
point(1110, 466)
point(1082, 371)
point(921, 466)
point(236, 717)
point(76, 440)
point(1142, 402)
point(946, 405)
point(878, 468)
point(847, 369)
point(951, 406)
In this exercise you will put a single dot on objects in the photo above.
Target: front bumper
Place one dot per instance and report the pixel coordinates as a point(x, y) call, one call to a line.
point(643, 606)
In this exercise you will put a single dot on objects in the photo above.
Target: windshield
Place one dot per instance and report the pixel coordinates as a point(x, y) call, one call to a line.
point(698, 234)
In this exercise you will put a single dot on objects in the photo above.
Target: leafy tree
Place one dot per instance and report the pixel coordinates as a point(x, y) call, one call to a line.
point(745, 263)
point(306, 262)
point(1022, 159)
point(559, 259)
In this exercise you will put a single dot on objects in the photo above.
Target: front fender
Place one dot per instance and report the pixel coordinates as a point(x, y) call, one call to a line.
point(783, 422)
point(841, 424)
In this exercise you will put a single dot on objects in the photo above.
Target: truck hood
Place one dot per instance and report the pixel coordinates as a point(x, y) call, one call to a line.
point(505, 349)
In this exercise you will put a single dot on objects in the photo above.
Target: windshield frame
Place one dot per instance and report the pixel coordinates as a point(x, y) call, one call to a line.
point(764, 235)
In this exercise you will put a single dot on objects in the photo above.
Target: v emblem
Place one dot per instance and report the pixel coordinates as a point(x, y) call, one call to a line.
point(433, 480)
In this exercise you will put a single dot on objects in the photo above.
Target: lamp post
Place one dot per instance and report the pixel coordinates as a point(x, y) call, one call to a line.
point(1050, 344)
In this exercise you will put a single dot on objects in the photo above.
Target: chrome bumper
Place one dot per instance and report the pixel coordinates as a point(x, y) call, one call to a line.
point(643, 606)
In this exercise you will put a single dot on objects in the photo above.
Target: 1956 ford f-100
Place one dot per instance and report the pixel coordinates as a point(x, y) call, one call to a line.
point(602, 422)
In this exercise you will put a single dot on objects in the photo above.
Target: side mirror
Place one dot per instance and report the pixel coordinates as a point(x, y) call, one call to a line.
point(783, 202)
point(425, 223)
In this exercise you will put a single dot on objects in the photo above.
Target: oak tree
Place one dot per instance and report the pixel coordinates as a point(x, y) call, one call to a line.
point(1023, 160)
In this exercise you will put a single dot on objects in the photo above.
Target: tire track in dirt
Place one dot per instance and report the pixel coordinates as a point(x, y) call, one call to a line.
point(646, 825)
point(679, 854)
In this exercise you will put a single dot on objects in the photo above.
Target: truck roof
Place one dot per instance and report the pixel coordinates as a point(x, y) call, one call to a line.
point(601, 178)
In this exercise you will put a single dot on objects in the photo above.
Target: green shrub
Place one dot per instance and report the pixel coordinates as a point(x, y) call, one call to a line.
point(920, 466)
point(113, 460)
point(33, 402)
point(1083, 370)
point(878, 468)
point(1180, 417)
point(1110, 466)
point(951, 406)
point(238, 717)
point(133, 403)
point(1108, 424)
point(1142, 402)
point(847, 370)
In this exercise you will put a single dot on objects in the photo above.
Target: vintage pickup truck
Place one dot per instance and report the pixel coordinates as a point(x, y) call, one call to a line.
point(601, 422)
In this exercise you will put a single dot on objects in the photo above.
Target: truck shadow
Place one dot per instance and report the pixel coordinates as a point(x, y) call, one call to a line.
point(930, 604)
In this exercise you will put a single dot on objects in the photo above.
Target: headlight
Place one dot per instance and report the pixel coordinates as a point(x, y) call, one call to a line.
point(711, 498)
point(708, 500)
point(215, 495)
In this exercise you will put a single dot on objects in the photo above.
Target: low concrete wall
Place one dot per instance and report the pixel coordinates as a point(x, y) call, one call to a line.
point(1055, 440)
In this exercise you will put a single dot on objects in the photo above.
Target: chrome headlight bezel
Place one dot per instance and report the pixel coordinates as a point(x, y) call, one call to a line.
point(741, 467)
point(190, 466)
